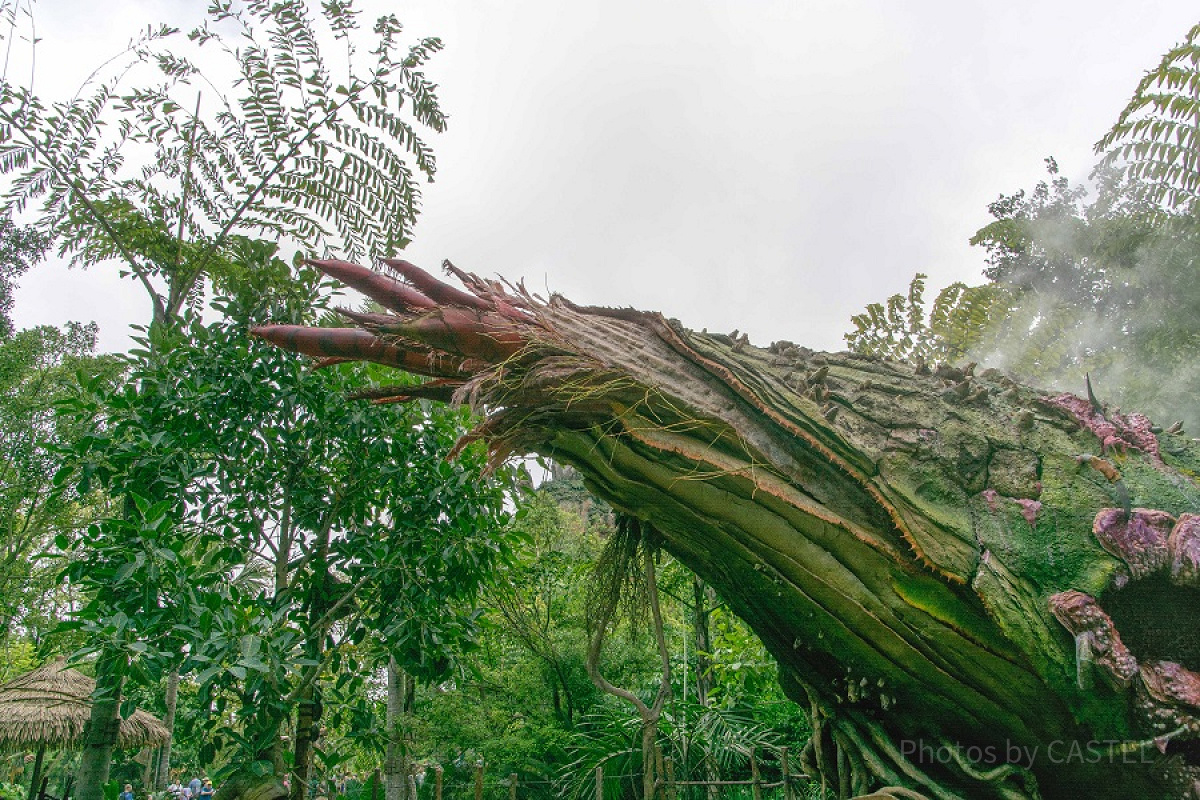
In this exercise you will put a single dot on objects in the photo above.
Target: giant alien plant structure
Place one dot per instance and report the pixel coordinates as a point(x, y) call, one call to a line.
point(979, 589)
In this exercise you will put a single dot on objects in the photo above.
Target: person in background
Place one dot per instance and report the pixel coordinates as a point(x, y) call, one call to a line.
point(128, 793)
point(206, 790)
point(194, 786)
point(174, 789)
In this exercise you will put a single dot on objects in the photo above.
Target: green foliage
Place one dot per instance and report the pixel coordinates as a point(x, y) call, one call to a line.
point(527, 706)
point(457, 729)
point(17, 656)
point(138, 581)
point(1036, 238)
point(540, 602)
point(20, 249)
point(742, 667)
point(308, 150)
point(259, 458)
point(702, 742)
point(1155, 139)
point(290, 538)
point(902, 330)
point(40, 368)
point(1101, 287)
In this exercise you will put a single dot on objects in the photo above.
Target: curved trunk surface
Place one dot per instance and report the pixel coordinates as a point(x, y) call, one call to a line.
point(979, 590)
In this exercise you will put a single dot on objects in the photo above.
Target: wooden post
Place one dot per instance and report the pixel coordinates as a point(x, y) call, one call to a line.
point(672, 790)
point(437, 778)
point(600, 782)
point(375, 780)
point(788, 792)
point(478, 780)
point(754, 776)
point(412, 786)
point(148, 771)
point(512, 786)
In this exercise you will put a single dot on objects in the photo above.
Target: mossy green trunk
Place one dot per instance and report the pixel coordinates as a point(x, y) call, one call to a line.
point(917, 549)
point(103, 727)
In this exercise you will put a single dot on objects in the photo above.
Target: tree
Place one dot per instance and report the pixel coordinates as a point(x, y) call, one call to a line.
point(309, 150)
point(20, 249)
point(144, 568)
point(140, 579)
point(939, 564)
point(39, 368)
point(523, 702)
point(539, 602)
point(353, 524)
point(1077, 288)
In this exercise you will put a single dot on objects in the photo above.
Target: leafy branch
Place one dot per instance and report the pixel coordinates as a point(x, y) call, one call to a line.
point(1156, 139)
point(299, 150)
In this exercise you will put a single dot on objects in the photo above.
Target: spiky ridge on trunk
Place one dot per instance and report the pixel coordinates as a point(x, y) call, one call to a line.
point(915, 547)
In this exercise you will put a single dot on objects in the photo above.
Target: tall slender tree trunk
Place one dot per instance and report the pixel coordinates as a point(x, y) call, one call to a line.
point(308, 714)
point(282, 579)
point(653, 777)
point(100, 735)
point(395, 765)
point(36, 779)
point(164, 759)
point(308, 722)
point(704, 598)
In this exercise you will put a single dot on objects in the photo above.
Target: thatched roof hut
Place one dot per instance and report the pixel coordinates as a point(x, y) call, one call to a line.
point(49, 708)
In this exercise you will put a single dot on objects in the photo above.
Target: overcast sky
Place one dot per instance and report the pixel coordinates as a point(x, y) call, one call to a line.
point(769, 166)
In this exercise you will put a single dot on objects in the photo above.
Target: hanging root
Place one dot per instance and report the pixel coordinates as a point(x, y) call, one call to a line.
point(617, 578)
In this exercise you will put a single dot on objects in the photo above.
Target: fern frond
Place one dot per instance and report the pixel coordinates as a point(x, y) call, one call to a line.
point(1156, 138)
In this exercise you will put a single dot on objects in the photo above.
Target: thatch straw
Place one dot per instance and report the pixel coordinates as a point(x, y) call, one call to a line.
point(50, 707)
